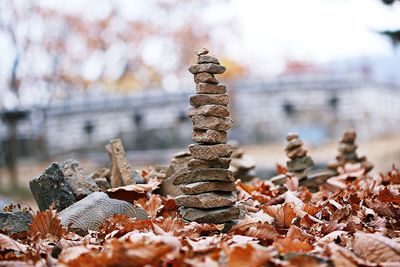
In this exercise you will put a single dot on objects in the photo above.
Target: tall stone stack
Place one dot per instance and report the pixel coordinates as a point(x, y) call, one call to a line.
point(348, 153)
point(208, 186)
point(299, 161)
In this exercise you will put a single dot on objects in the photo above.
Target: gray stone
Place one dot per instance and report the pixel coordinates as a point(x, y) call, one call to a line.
point(179, 161)
point(300, 164)
point(167, 188)
point(210, 152)
point(218, 215)
point(207, 59)
point(209, 110)
point(209, 99)
point(207, 67)
point(316, 178)
point(90, 212)
point(196, 164)
point(80, 182)
point(209, 137)
point(102, 183)
point(207, 88)
point(206, 200)
point(51, 187)
point(202, 175)
point(15, 222)
point(245, 162)
point(201, 51)
point(347, 148)
point(204, 77)
point(202, 187)
point(138, 177)
point(211, 123)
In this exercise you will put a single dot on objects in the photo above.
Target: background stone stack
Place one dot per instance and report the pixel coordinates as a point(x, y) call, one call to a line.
point(348, 154)
point(299, 161)
point(242, 164)
point(208, 186)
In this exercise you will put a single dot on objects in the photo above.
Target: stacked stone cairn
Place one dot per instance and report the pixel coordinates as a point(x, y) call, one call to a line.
point(348, 154)
point(299, 162)
point(208, 186)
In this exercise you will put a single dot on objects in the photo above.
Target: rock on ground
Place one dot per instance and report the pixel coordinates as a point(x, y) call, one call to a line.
point(90, 212)
point(15, 222)
point(51, 187)
point(218, 215)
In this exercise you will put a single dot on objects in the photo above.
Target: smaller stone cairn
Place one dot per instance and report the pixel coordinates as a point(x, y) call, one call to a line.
point(348, 154)
point(208, 186)
point(299, 162)
point(242, 164)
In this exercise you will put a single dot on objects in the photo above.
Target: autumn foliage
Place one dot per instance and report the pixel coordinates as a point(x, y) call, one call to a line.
point(353, 220)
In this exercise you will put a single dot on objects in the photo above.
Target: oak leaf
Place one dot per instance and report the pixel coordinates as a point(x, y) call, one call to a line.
point(283, 214)
point(47, 224)
point(249, 255)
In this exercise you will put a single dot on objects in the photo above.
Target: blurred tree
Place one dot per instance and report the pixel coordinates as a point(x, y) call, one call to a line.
point(394, 35)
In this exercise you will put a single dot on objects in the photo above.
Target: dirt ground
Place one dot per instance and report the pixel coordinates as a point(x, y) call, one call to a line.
point(383, 152)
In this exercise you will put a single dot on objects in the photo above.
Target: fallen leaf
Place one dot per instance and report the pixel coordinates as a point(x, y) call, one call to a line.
point(48, 225)
point(376, 248)
point(286, 245)
point(132, 192)
point(151, 206)
point(283, 214)
point(249, 255)
point(6, 243)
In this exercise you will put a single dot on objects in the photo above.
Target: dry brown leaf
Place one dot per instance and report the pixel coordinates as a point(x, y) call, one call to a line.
point(47, 224)
point(249, 255)
point(283, 214)
point(386, 195)
point(132, 192)
point(286, 245)
point(280, 169)
point(6, 243)
point(376, 248)
point(296, 232)
point(151, 206)
point(292, 183)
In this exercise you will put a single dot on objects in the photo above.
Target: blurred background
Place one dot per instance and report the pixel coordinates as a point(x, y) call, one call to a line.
point(75, 74)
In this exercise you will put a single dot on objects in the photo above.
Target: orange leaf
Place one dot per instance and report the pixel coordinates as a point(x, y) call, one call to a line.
point(151, 206)
point(386, 195)
point(287, 245)
point(280, 169)
point(47, 224)
point(132, 192)
point(249, 255)
point(283, 214)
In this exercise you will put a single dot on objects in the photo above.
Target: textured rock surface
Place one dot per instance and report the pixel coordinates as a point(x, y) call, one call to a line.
point(80, 182)
point(207, 67)
point(300, 164)
point(90, 212)
point(201, 175)
point(206, 88)
point(207, 59)
point(209, 110)
point(209, 99)
point(209, 137)
point(299, 161)
point(15, 222)
point(206, 200)
point(51, 187)
point(211, 123)
point(196, 164)
point(121, 169)
point(202, 187)
point(210, 152)
point(204, 77)
point(102, 183)
point(219, 215)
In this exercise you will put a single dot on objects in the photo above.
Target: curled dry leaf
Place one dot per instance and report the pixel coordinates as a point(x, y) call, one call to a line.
point(287, 244)
point(280, 169)
point(6, 243)
point(151, 206)
point(132, 192)
point(283, 214)
point(387, 195)
point(47, 224)
point(376, 248)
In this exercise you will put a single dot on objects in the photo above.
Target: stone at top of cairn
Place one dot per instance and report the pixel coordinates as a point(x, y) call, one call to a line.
point(348, 153)
point(201, 51)
point(207, 184)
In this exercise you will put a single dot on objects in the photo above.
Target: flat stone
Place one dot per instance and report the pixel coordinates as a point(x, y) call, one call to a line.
point(207, 88)
point(207, 59)
point(51, 187)
point(315, 179)
point(218, 215)
point(102, 183)
point(207, 67)
point(203, 175)
point(206, 200)
point(209, 99)
point(201, 51)
point(209, 110)
point(80, 182)
point(202, 187)
point(209, 137)
point(347, 148)
point(293, 144)
point(300, 164)
point(211, 123)
point(210, 152)
point(15, 222)
point(292, 136)
point(90, 212)
point(245, 162)
point(204, 77)
point(196, 164)
point(121, 169)
point(179, 161)
point(296, 152)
